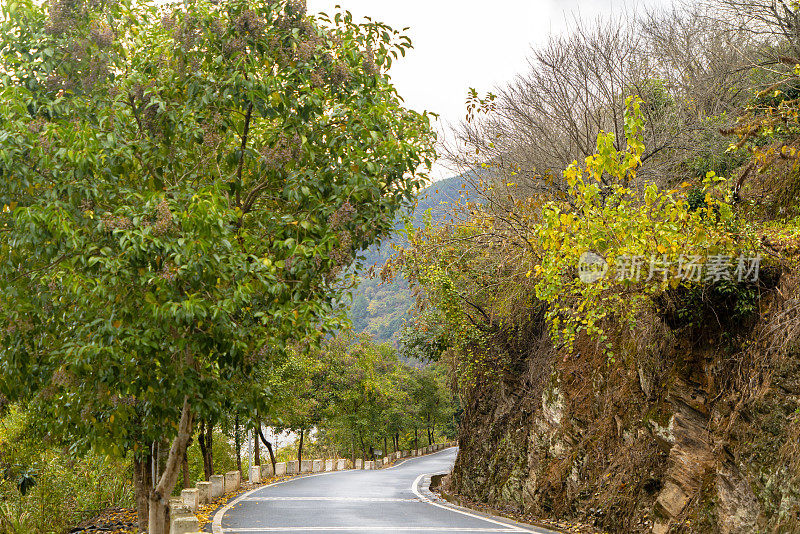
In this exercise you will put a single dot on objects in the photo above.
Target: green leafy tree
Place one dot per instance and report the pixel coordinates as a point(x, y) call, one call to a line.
point(180, 188)
point(301, 394)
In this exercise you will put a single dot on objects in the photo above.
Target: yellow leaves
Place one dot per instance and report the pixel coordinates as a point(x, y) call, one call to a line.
point(117, 323)
point(661, 249)
point(7, 208)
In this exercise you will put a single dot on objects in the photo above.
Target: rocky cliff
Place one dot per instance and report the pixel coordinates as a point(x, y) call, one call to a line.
point(692, 426)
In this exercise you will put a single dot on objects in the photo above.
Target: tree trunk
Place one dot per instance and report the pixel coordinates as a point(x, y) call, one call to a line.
point(385, 447)
point(416, 438)
point(269, 449)
point(159, 496)
point(300, 448)
point(143, 480)
point(205, 440)
point(237, 443)
point(256, 445)
point(186, 482)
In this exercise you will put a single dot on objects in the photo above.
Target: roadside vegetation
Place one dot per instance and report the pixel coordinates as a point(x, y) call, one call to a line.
point(606, 315)
point(182, 185)
point(630, 262)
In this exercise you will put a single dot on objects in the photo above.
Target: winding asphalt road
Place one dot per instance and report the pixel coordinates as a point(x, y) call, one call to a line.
point(394, 499)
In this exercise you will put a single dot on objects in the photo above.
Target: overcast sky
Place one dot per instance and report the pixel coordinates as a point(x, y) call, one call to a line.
point(460, 44)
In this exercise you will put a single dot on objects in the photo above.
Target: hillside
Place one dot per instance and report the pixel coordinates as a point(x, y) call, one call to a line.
point(380, 309)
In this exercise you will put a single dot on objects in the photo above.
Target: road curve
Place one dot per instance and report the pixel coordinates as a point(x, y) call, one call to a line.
point(394, 499)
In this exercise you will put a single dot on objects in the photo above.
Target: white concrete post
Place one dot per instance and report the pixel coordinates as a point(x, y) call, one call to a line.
point(255, 474)
point(341, 464)
point(280, 469)
point(232, 479)
point(191, 498)
point(266, 471)
point(217, 486)
point(184, 524)
point(204, 492)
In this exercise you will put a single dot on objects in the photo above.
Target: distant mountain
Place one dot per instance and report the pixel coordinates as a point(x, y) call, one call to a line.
point(380, 309)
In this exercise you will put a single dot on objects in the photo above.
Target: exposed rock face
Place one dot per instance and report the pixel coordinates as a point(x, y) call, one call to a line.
point(737, 507)
point(697, 436)
point(691, 456)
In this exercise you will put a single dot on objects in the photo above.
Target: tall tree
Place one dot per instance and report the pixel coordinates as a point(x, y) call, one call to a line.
point(180, 187)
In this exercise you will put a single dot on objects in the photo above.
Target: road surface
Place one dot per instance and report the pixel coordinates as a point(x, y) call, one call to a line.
point(394, 499)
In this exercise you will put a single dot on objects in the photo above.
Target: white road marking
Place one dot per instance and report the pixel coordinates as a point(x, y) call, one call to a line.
point(342, 499)
point(415, 489)
point(216, 525)
point(365, 528)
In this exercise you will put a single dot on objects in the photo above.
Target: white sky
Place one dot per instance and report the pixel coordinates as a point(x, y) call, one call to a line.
point(467, 43)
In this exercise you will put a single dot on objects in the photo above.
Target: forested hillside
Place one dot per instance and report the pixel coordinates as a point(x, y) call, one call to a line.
point(380, 308)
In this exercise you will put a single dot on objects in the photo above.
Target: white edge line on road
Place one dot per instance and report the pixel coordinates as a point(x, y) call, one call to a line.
point(423, 498)
point(370, 529)
point(334, 499)
point(216, 526)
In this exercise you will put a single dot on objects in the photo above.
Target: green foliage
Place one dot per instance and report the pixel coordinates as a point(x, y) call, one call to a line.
point(621, 222)
point(494, 272)
point(180, 187)
point(729, 305)
point(425, 338)
point(67, 489)
point(356, 394)
point(224, 457)
point(380, 307)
